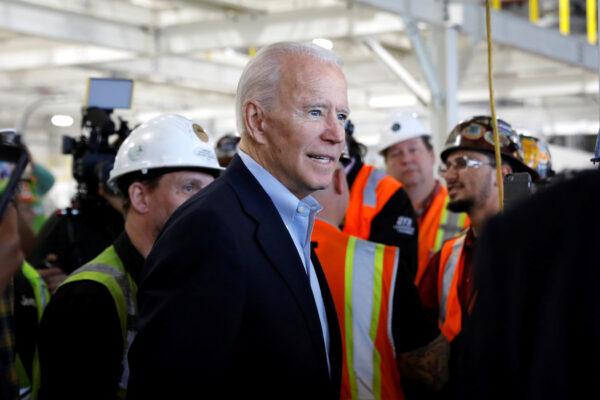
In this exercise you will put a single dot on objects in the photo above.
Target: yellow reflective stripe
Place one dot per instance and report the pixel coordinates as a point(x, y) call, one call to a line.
point(592, 25)
point(40, 290)
point(377, 285)
point(348, 316)
point(35, 388)
point(564, 16)
point(534, 11)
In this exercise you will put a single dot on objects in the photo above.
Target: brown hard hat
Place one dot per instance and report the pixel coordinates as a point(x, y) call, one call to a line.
point(477, 134)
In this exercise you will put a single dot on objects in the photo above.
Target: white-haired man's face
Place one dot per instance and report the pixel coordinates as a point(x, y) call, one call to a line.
point(304, 129)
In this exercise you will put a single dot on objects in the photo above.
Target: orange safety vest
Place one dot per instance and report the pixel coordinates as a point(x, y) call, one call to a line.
point(369, 193)
point(437, 225)
point(361, 276)
point(452, 263)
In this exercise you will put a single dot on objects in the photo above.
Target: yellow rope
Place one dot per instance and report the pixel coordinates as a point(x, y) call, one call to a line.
point(488, 25)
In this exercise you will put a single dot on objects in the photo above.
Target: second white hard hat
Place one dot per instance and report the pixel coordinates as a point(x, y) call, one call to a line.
point(166, 141)
point(401, 127)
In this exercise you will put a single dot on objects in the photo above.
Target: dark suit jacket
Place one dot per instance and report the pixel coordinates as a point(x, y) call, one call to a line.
point(535, 329)
point(226, 309)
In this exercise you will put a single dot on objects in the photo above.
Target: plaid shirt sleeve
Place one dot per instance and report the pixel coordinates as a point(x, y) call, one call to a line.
point(9, 386)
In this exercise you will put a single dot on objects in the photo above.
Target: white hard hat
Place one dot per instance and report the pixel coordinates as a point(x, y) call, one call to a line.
point(166, 141)
point(401, 127)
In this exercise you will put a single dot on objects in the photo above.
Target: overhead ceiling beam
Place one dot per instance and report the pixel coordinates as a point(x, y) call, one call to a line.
point(397, 68)
point(51, 56)
point(247, 31)
point(48, 22)
point(197, 74)
point(507, 29)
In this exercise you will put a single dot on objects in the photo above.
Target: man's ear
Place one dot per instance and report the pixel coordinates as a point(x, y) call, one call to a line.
point(138, 197)
point(254, 120)
point(337, 181)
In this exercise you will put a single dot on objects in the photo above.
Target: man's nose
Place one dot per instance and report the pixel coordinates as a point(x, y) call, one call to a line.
point(334, 130)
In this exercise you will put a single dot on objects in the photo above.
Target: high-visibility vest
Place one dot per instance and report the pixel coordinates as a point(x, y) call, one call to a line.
point(361, 276)
point(41, 294)
point(437, 225)
point(369, 193)
point(452, 263)
point(107, 269)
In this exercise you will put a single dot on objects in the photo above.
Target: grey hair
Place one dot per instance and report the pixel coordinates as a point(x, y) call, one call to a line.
point(262, 73)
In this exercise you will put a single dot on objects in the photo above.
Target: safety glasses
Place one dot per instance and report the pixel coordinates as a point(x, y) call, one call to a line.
point(461, 163)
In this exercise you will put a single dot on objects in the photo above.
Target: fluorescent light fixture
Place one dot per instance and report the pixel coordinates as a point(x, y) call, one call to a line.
point(61, 120)
point(324, 43)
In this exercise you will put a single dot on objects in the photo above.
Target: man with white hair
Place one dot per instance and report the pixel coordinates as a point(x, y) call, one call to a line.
point(233, 304)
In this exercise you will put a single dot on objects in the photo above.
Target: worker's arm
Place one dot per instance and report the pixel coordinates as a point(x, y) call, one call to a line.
point(11, 256)
point(427, 365)
point(80, 344)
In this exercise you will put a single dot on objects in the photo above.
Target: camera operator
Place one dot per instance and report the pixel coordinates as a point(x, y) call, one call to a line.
point(74, 235)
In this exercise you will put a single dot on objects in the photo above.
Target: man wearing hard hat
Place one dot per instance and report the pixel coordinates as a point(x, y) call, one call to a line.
point(409, 157)
point(469, 168)
point(88, 325)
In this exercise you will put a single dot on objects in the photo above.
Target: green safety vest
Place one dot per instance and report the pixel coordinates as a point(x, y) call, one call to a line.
point(107, 269)
point(41, 294)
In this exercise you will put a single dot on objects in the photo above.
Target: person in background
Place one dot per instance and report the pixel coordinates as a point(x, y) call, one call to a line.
point(469, 168)
point(409, 157)
point(379, 209)
point(385, 334)
point(534, 331)
point(226, 148)
point(89, 324)
point(12, 259)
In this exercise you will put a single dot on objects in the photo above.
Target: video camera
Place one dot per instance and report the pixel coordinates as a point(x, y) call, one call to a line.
point(94, 153)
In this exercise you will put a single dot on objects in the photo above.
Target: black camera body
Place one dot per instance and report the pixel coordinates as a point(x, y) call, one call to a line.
point(94, 153)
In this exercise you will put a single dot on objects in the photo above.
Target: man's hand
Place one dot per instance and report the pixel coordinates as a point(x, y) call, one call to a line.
point(427, 365)
point(52, 275)
point(11, 256)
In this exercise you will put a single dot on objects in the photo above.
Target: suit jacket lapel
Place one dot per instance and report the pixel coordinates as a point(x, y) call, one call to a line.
point(274, 238)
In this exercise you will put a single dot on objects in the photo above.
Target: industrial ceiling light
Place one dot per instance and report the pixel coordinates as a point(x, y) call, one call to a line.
point(324, 43)
point(61, 120)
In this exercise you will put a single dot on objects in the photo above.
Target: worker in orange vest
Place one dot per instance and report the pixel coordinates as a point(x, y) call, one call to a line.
point(468, 166)
point(409, 157)
point(385, 334)
point(379, 208)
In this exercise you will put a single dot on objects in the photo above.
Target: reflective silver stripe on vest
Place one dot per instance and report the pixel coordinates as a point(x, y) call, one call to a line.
point(362, 304)
point(449, 274)
point(391, 300)
point(123, 281)
point(369, 192)
point(451, 226)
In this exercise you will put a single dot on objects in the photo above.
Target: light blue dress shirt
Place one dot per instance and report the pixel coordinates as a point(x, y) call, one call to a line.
point(299, 218)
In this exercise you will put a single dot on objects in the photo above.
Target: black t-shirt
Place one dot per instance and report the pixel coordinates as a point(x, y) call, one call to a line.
point(411, 328)
point(395, 225)
point(81, 344)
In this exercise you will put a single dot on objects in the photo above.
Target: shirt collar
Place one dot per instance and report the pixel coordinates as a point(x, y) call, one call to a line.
point(286, 203)
point(133, 261)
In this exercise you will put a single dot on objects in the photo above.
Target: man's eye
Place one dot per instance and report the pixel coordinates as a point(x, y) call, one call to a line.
point(189, 188)
point(315, 113)
point(342, 117)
